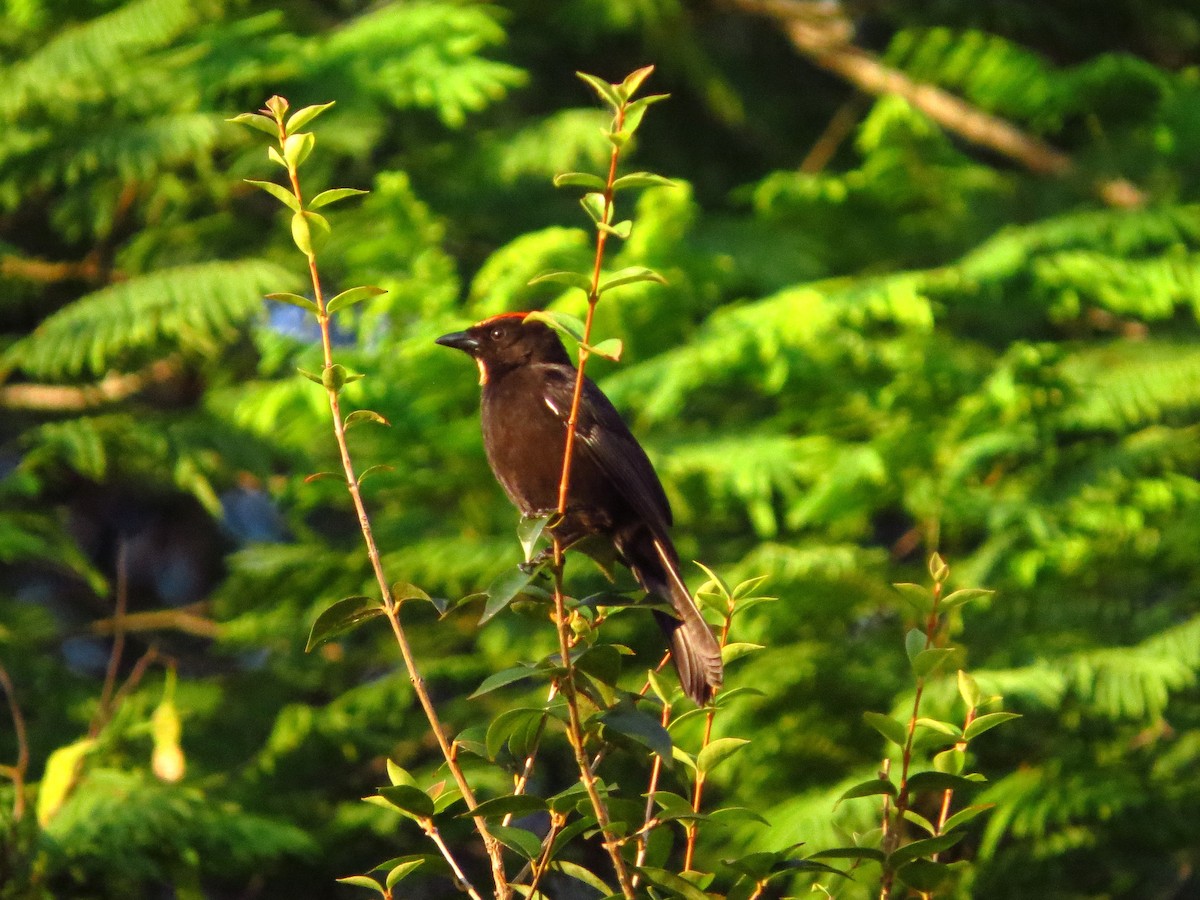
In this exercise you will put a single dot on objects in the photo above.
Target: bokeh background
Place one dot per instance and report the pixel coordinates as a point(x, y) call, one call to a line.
point(934, 280)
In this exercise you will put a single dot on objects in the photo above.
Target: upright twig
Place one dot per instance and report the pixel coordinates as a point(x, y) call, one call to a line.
point(306, 226)
point(120, 604)
point(691, 828)
point(574, 724)
point(17, 772)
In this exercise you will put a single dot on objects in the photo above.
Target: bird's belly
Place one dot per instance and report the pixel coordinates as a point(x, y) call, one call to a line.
point(526, 455)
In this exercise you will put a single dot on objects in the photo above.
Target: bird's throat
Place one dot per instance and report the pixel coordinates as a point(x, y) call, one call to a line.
point(483, 374)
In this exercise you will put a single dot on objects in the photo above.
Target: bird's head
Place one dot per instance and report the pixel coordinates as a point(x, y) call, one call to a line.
point(506, 342)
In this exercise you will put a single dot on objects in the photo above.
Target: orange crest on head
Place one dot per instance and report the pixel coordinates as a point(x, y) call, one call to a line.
point(498, 317)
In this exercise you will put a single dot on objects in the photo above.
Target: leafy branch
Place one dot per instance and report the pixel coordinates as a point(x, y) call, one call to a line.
point(309, 231)
point(598, 203)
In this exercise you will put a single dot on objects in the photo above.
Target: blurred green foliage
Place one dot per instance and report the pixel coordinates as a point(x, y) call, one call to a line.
point(919, 346)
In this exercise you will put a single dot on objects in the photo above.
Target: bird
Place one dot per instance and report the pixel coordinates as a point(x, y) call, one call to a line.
point(528, 383)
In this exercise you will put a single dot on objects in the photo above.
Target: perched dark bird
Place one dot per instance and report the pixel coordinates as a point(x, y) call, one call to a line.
point(528, 382)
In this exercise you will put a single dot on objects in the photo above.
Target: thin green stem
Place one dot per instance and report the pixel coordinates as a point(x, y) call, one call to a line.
point(574, 724)
point(391, 608)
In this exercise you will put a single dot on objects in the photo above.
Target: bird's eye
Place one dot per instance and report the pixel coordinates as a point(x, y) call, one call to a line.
point(496, 333)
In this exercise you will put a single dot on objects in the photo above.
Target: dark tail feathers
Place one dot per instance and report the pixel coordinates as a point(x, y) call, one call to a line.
point(694, 650)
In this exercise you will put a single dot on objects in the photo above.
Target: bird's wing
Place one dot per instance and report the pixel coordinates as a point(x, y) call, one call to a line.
point(604, 437)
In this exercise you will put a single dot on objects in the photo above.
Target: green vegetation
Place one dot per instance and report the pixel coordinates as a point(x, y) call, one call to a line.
point(896, 321)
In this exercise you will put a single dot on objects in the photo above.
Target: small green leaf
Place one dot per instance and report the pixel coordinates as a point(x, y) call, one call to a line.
point(597, 208)
point(675, 808)
point(514, 805)
point(637, 109)
point(922, 782)
point(605, 91)
point(579, 179)
point(887, 726)
point(609, 349)
point(627, 88)
point(409, 799)
point(629, 721)
point(672, 883)
point(503, 590)
point(294, 300)
point(619, 138)
point(502, 678)
point(965, 815)
point(738, 649)
point(641, 180)
point(374, 470)
point(660, 690)
point(967, 595)
point(403, 591)
point(950, 761)
point(602, 662)
point(529, 531)
point(622, 229)
point(310, 230)
point(362, 881)
point(920, 821)
point(939, 725)
point(850, 853)
point(680, 755)
point(968, 690)
point(302, 117)
point(938, 570)
point(333, 196)
point(364, 415)
point(732, 814)
point(402, 871)
point(311, 376)
point(570, 279)
point(923, 848)
point(279, 192)
point(343, 616)
point(717, 752)
point(296, 147)
point(525, 843)
point(630, 275)
point(929, 661)
point(579, 873)
point(317, 476)
point(511, 725)
point(563, 323)
point(397, 774)
point(870, 788)
point(352, 296)
point(914, 642)
point(988, 722)
point(273, 155)
point(254, 120)
point(917, 596)
point(923, 875)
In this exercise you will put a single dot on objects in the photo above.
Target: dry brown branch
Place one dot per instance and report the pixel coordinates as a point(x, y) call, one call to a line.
point(822, 34)
point(186, 619)
point(78, 397)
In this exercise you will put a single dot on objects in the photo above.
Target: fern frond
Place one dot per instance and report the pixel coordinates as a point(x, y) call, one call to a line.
point(426, 55)
point(193, 309)
point(1148, 289)
point(1126, 386)
point(567, 141)
point(79, 62)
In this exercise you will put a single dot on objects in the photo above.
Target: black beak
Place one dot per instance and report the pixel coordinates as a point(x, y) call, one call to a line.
point(459, 340)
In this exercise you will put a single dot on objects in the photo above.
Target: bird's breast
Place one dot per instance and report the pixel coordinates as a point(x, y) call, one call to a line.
point(524, 441)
